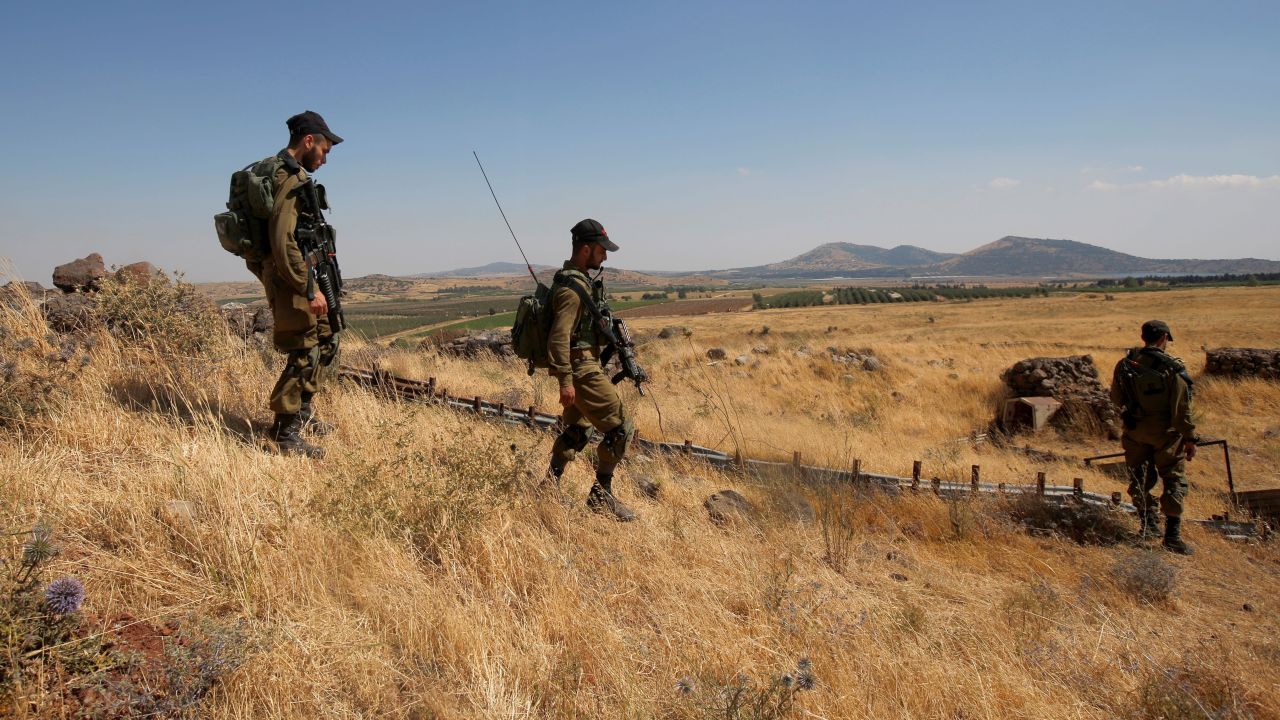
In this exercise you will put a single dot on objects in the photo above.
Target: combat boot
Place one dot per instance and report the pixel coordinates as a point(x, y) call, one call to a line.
point(287, 432)
point(311, 422)
point(1173, 536)
point(602, 500)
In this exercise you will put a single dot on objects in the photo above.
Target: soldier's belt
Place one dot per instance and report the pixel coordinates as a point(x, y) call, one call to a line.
point(577, 354)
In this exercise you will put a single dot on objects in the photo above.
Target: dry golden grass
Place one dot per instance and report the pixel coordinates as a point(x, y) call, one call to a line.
point(414, 574)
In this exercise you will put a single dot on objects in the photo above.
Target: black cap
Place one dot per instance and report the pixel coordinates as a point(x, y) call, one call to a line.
point(1153, 329)
point(309, 122)
point(591, 231)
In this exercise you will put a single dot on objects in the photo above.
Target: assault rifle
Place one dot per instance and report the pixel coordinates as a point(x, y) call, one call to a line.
point(318, 241)
point(629, 366)
point(618, 339)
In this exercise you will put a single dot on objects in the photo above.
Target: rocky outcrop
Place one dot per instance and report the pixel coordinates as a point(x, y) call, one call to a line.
point(80, 275)
point(1073, 381)
point(248, 321)
point(497, 342)
point(1243, 362)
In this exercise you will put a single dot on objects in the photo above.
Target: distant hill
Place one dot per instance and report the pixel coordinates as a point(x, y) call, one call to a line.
point(493, 269)
point(1020, 256)
point(847, 257)
point(1010, 256)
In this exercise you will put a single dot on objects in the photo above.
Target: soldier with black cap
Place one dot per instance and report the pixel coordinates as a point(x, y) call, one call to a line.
point(1154, 392)
point(300, 309)
point(574, 348)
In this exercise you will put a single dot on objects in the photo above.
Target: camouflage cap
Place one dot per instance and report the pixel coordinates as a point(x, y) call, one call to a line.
point(588, 231)
point(1153, 329)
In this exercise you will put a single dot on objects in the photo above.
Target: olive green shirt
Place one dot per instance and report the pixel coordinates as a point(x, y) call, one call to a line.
point(572, 325)
point(286, 256)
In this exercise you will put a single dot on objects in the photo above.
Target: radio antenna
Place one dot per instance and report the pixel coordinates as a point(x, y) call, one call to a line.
point(504, 218)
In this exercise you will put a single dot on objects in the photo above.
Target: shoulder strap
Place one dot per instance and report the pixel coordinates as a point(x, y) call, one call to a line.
point(602, 325)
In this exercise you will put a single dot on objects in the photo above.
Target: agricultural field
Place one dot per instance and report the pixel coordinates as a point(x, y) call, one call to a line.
point(424, 569)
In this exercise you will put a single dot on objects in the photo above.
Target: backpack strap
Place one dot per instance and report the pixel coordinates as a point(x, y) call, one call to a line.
point(603, 326)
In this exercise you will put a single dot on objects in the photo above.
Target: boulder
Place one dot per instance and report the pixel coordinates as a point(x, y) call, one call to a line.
point(741, 360)
point(727, 505)
point(671, 331)
point(248, 320)
point(69, 313)
point(1243, 362)
point(871, 364)
point(142, 273)
point(15, 289)
point(80, 275)
point(717, 353)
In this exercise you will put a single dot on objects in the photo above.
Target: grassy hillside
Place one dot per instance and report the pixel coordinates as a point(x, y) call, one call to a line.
point(417, 571)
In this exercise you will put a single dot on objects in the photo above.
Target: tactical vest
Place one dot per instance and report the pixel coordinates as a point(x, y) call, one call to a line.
point(1150, 375)
point(585, 334)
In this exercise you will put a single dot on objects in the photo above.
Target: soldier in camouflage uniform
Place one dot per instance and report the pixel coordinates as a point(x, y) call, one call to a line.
point(1154, 391)
point(574, 348)
point(301, 324)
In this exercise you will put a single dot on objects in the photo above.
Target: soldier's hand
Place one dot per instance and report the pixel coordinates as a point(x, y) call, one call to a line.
point(568, 396)
point(319, 305)
point(1189, 447)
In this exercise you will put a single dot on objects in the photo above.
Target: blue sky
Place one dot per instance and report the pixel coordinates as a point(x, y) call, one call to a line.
point(703, 135)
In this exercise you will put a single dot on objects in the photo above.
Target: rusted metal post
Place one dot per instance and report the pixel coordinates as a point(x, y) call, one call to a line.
point(795, 458)
point(533, 415)
point(857, 470)
point(1115, 498)
point(1077, 487)
point(1040, 483)
point(974, 477)
point(502, 410)
point(936, 483)
point(915, 475)
point(477, 404)
point(431, 387)
point(688, 447)
point(1000, 488)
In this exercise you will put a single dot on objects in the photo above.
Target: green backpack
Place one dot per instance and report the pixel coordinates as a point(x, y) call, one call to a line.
point(242, 229)
point(532, 328)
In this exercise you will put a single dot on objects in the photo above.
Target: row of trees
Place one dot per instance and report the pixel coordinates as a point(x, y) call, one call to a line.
point(866, 296)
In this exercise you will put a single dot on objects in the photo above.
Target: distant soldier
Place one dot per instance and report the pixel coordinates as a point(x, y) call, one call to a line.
point(1154, 392)
point(574, 349)
point(299, 307)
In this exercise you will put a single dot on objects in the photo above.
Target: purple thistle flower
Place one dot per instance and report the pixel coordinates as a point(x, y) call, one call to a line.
point(64, 595)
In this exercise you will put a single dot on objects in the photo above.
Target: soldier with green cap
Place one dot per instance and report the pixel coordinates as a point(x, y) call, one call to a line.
point(1154, 392)
point(299, 308)
point(589, 399)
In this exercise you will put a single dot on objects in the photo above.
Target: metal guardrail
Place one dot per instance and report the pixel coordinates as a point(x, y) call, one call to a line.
point(429, 391)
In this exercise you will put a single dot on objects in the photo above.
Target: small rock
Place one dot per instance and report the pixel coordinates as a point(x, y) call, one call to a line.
point(82, 274)
point(674, 331)
point(871, 364)
point(760, 350)
point(898, 576)
point(717, 353)
point(1247, 607)
point(647, 486)
point(847, 378)
point(741, 360)
point(726, 505)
